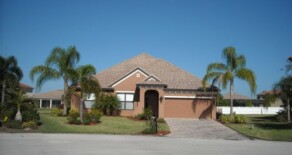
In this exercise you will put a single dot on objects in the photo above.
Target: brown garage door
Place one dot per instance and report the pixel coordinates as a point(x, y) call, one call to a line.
point(188, 108)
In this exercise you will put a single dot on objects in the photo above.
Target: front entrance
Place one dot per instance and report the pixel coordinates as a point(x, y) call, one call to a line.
point(151, 101)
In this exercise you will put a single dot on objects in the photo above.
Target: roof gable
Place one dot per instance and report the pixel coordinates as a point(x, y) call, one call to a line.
point(167, 73)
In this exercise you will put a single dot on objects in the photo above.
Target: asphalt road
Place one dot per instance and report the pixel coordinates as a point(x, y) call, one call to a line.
point(86, 144)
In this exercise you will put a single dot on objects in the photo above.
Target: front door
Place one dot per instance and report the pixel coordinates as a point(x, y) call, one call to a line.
point(151, 101)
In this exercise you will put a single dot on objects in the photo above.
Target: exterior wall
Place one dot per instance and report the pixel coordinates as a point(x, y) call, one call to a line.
point(75, 99)
point(127, 113)
point(189, 108)
point(139, 106)
point(129, 84)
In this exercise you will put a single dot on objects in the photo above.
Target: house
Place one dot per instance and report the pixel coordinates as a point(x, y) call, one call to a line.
point(240, 100)
point(49, 99)
point(277, 103)
point(148, 82)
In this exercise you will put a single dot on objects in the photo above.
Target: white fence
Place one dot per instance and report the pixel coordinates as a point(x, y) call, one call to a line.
point(250, 110)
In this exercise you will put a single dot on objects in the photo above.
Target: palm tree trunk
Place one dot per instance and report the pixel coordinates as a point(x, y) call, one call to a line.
point(81, 108)
point(289, 110)
point(65, 96)
point(3, 92)
point(231, 97)
point(18, 116)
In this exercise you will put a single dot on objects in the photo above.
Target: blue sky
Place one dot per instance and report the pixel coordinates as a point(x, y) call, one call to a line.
point(188, 33)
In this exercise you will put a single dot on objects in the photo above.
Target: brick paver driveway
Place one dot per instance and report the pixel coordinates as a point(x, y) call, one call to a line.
point(201, 129)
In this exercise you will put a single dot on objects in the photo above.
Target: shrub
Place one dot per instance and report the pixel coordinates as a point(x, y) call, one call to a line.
point(108, 103)
point(56, 111)
point(150, 127)
point(14, 124)
point(160, 120)
point(282, 116)
point(10, 113)
point(239, 119)
point(77, 121)
point(249, 103)
point(146, 115)
point(31, 115)
point(73, 115)
point(30, 124)
point(227, 119)
point(95, 116)
point(71, 120)
point(86, 119)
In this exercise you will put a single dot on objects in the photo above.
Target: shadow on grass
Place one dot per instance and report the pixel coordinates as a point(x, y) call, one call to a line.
point(269, 122)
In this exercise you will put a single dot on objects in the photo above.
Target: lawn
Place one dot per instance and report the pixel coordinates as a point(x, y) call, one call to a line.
point(264, 127)
point(108, 125)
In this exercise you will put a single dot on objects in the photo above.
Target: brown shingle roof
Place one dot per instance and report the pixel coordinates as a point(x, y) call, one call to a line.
point(173, 76)
point(57, 94)
point(236, 96)
point(22, 85)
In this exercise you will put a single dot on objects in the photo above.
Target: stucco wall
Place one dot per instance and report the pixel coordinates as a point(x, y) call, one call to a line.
point(129, 83)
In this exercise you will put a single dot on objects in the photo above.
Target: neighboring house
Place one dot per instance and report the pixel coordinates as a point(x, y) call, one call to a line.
point(148, 82)
point(48, 99)
point(278, 102)
point(26, 89)
point(240, 100)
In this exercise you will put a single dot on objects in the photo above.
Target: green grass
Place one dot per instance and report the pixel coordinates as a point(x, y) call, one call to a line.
point(108, 125)
point(265, 127)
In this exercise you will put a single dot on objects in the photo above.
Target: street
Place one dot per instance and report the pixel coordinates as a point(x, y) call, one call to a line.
point(87, 144)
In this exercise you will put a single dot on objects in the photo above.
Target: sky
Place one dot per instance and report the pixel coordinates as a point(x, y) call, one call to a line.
point(187, 33)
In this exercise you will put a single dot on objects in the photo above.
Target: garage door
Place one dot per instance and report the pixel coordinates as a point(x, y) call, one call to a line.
point(188, 108)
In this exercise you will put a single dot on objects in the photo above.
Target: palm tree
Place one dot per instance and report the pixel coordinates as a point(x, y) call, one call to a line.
point(227, 73)
point(88, 84)
point(19, 98)
point(10, 72)
point(60, 64)
point(284, 86)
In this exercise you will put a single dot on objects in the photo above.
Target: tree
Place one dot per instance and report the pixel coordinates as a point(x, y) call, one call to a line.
point(284, 86)
point(10, 73)
point(227, 73)
point(88, 84)
point(60, 64)
point(18, 99)
point(108, 103)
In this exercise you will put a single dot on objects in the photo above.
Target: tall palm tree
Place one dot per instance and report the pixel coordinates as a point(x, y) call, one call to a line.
point(88, 84)
point(284, 86)
point(227, 73)
point(10, 72)
point(59, 65)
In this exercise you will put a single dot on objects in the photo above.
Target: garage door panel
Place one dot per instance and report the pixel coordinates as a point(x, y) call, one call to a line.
point(188, 108)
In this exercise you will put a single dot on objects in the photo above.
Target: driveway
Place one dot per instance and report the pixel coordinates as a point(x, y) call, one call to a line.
point(201, 129)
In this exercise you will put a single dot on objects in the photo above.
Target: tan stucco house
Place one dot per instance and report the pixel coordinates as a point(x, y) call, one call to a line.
point(145, 81)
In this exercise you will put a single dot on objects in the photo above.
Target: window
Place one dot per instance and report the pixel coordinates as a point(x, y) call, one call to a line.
point(127, 101)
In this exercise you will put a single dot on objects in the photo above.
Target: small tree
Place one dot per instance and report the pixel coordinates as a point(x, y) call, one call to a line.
point(108, 103)
point(88, 84)
point(284, 86)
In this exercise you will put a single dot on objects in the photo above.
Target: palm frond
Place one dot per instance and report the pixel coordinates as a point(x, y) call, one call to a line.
point(44, 74)
point(216, 67)
point(241, 61)
point(229, 54)
point(248, 76)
